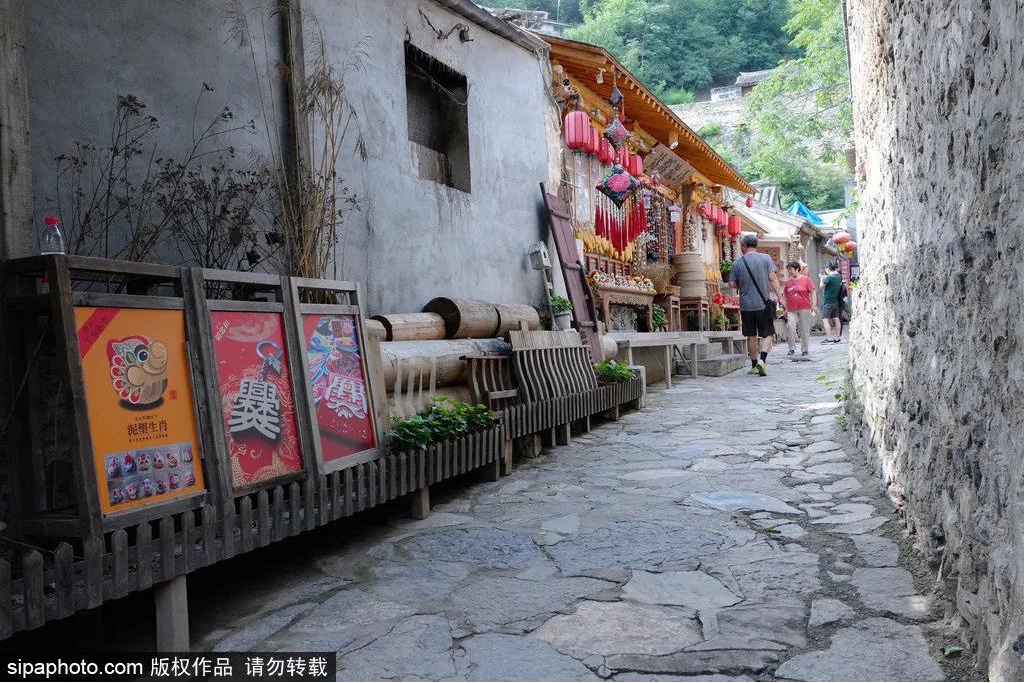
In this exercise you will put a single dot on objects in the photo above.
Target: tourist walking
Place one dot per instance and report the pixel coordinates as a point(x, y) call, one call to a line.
point(799, 298)
point(831, 282)
point(754, 275)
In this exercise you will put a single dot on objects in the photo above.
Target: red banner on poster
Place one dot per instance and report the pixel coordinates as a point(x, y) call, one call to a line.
point(256, 395)
point(845, 270)
point(339, 386)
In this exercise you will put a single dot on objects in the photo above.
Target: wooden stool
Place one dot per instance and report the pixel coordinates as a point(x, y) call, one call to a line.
point(671, 304)
point(699, 305)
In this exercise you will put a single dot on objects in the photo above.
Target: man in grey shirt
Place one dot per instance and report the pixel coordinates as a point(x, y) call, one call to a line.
point(754, 274)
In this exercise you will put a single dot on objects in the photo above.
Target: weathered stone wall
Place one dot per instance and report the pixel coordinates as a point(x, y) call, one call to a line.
point(936, 354)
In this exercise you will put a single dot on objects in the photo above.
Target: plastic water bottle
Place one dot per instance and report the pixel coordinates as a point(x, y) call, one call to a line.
point(51, 241)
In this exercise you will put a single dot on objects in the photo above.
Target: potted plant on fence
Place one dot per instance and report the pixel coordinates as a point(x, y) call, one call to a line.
point(445, 420)
point(611, 372)
point(725, 266)
point(563, 310)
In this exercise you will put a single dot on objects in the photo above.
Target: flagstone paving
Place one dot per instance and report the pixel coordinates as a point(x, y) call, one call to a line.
point(722, 533)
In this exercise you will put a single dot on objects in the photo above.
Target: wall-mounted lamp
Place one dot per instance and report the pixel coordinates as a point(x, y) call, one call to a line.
point(674, 141)
point(600, 76)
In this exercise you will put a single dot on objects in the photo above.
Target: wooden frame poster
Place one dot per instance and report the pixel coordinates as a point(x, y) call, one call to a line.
point(142, 419)
point(257, 402)
point(339, 389)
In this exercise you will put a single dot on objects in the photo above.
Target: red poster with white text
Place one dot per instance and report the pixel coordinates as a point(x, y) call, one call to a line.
point(256, 395)
point(339, 386)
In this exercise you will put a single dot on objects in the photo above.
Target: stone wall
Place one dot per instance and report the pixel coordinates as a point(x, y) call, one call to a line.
point(936, 353)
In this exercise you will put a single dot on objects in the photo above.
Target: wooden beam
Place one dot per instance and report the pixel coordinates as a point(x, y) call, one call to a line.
point(17, 238)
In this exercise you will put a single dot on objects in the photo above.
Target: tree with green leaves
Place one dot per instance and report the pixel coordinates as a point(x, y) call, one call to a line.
point(800, 116)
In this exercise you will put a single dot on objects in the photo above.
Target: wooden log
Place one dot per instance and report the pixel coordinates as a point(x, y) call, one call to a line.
point(417, 356)
point(412, 326)
point(374, 329)
point(511, 315)
point(465, 318)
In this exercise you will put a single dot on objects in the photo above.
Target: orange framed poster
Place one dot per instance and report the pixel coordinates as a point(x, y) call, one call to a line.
point(142, 419)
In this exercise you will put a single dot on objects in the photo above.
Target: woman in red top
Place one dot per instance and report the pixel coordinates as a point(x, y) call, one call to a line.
point(800, 301)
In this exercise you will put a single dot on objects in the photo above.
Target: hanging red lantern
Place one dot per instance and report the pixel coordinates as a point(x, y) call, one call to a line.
point(640, 165)
point(591, 144)
point(841, 237)
point(749, 202)
point(575, 130)
point(852, 247)
point(606, 152)
point(734, 225)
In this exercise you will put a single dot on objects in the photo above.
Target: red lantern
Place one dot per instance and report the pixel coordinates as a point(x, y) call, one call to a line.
point(606, 152)
point(749, 202)
point(575, 130)
point(852, 247)
point(591, 144)
point(639, 163)
point(734, 225)
point(841, 237)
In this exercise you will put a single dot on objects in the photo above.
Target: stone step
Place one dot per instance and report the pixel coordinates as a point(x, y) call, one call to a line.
point(703, 350)
point(723, 364)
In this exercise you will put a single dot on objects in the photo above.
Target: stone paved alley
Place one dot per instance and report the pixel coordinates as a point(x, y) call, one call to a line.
point(669, 545)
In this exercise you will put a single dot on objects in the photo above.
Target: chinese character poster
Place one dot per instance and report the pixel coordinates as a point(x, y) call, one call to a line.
point(256, 395)
point(139, 399)
point(339, 385)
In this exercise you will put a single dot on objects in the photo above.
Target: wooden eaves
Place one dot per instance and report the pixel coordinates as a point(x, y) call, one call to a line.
point(582, 62)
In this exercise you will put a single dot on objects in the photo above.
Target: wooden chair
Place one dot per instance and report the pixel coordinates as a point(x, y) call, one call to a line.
point(551, 365)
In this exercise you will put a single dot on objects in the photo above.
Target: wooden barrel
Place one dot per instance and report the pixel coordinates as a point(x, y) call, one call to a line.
point(465, 318)
point(412, 326)
point(511, 315)
point(689, 273)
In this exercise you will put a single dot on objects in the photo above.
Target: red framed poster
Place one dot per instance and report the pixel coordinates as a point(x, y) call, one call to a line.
point(338, 385)
point(257, 403)
point(845, 270)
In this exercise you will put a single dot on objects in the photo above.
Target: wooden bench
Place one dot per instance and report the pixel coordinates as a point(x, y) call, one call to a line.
point(490, 381)
point(628, 341)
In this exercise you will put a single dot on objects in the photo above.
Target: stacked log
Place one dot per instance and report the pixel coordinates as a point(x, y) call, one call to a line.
point(412, 326)
point(418, 356)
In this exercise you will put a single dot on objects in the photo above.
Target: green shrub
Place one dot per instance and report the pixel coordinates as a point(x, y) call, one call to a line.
point(561, 303)
point(611, 371)
point(658, 316)
point(444, 420)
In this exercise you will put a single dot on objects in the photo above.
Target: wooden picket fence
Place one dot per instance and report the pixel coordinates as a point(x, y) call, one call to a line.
point(39, 587)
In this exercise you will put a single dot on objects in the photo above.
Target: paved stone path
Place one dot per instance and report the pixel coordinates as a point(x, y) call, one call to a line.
point(721, 534)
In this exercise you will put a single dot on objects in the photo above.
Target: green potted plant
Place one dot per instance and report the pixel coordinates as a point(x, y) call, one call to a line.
point(725, 266)
point(563, 309)
point(611, 372)
point(658, 317)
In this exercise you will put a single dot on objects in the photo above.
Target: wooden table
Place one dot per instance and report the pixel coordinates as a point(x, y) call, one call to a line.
point(624, 296)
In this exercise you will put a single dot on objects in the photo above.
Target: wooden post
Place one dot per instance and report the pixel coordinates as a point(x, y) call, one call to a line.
point(172, 600)
point(562, 433)
point(507, 457)
point(421, 503)
point(669, 366)
point(694, 360)
point(493, 470)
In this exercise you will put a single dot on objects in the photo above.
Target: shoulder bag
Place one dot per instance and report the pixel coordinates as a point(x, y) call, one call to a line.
point(770, 307)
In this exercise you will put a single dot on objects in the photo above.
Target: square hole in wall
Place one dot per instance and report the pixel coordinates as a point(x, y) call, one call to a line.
point(439, 141)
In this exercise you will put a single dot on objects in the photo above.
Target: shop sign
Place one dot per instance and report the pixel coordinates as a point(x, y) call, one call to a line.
point(139, 400)
point(338, 384)
point(673, 170)
point(257, 403)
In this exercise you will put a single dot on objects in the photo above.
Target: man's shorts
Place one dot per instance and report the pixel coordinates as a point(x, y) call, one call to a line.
point(831, 309)
point(757, 323)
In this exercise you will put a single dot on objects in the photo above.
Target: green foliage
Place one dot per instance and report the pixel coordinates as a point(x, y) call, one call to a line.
point(687, 44)
point(561, 304)
point(677, 96)
point(658, 316)
point(801, 115)
point(725, 266)
point(711, 130)
point(611, 371)
point(444, 420)
point(720, 321)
